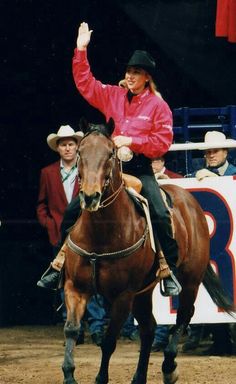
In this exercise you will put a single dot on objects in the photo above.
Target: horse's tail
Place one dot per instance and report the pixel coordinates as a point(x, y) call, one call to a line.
point(215, 289)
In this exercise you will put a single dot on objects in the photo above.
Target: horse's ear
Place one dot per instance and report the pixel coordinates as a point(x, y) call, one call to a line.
point(83, 125)
point(110, 126)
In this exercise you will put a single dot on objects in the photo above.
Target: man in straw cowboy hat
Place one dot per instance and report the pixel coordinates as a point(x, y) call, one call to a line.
point(58, 185)
point(216, 152)
point(58, 182)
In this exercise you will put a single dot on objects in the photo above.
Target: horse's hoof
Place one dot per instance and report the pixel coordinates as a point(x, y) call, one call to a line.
point(70, 381)
point(137, 380)
point(171, 378)
point(100, 380)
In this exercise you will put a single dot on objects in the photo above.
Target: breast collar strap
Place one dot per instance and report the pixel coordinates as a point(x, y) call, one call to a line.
point(93, 256)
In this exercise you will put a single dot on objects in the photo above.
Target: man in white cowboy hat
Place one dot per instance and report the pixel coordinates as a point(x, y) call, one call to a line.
point(216, 152)
point(58, 185)
point(58, 182)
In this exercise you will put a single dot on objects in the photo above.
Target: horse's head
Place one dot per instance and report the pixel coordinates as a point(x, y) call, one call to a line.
point(97, 163)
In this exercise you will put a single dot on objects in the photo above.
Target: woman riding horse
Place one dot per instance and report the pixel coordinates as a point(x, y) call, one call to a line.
point(143, 123)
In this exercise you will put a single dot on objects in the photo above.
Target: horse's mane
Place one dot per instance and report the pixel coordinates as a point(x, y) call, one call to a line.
point(98, 129)
point(105, 129)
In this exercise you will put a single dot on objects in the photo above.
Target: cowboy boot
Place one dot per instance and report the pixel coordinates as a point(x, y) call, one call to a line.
point(169, 285)
point(50, 278)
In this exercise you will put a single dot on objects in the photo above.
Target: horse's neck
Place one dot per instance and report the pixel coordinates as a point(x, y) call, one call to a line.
point(114, 218)
point(115, 227)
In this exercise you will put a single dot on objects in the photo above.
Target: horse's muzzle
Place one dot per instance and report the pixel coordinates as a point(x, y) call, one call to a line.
point(90, 202)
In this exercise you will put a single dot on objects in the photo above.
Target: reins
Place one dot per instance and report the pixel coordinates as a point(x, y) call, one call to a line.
point(110, 199)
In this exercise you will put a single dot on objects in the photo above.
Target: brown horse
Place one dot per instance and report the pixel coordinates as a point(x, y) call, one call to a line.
point(110, 253)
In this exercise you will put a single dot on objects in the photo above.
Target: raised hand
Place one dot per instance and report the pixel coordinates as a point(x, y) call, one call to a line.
point(84, 35)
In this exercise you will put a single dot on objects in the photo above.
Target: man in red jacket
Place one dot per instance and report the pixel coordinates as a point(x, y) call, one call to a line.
point(58, 186)
point(58, 182)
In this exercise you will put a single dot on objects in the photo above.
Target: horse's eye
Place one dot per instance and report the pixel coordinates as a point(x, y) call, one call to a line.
point(112, 154)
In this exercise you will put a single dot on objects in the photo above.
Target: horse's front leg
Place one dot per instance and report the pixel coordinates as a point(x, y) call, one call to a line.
point(75, 304)
point(119, 312)
point(142, 310)
point(185, 312)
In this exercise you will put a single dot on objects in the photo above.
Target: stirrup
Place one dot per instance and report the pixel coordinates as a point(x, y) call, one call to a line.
point(177, 285)
point(46, 273)
point(48, 270)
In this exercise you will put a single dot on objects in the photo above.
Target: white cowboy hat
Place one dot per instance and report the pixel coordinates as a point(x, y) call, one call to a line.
point(215, 139)
point(63, 132)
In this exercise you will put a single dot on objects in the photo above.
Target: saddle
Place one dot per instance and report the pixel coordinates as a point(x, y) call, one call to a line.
point(142, 206)
point(132, 182)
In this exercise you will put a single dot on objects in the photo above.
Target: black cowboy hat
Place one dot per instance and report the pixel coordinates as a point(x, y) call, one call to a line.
point(144, 60)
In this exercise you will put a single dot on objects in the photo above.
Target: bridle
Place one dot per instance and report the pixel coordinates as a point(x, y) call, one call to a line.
point(110, 199)
point(108, 182)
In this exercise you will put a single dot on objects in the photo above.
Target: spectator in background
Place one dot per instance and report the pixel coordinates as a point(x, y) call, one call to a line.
point(161, 336)
point(58, 186)
point(58, 182)
point(216, 152)
point(215, 158)
point(161, 172)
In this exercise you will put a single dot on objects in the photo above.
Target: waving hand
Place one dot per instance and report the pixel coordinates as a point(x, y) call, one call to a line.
point(84, 35)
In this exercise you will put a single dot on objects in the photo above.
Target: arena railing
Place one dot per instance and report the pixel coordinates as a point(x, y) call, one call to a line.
point(191, 124)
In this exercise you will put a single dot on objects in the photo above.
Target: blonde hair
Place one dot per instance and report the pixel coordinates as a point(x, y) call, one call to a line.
point(152, 86)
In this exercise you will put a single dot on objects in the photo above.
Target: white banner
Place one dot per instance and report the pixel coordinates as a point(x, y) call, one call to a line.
point(217, 197)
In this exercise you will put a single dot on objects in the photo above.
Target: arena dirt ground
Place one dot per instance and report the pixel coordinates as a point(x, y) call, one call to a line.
point(33, 355)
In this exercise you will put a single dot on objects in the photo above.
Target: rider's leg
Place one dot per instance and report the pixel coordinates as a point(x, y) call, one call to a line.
point(50, 278)
point(162, 229)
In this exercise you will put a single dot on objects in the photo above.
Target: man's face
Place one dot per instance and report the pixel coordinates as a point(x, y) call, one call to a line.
point(215, 157)
point(157, 165)
point(67, 149)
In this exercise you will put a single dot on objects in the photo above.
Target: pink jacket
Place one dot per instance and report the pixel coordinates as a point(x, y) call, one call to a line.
point(147, 119)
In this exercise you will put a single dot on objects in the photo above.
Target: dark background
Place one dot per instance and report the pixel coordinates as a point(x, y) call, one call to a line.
point(37, 39)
